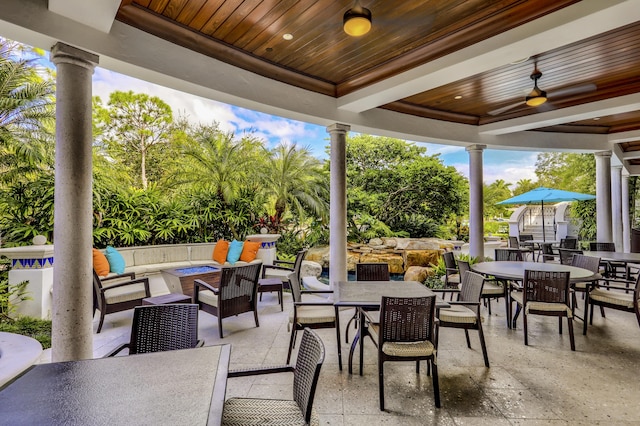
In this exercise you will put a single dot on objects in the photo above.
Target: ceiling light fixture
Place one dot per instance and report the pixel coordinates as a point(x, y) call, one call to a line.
point(537, 97)
point(357, 20)
point(287, 36)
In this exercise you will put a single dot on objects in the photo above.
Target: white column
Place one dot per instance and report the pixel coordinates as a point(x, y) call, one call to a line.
point(626, 217)
point(616, 206)
point(604, 232)
point(476, 208)
point(338, 204)
point(72, 317)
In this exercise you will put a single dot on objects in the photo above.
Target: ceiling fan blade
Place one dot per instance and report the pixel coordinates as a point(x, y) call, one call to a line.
point(504, 109)
point(573, 90)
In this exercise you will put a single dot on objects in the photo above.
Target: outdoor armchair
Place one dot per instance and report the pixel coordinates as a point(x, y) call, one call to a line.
point(299, 410)
point(235, 294)
point(612, 296)
point(283, 269)
point(118, 293)
point(158, 328)
point(312, 314)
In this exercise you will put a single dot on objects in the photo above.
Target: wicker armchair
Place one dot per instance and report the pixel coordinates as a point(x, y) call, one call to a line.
point(589, 263)
point(282, 269)
point(508, 255)
point(118, 293)
point(566, 255)
point(368, 272)
point(545, 293)
point(614, 297)
point(548, 254)
point(299, 411)
point(569, 243)
point(465, 312)
point(236, 293)
point(316, 314)
point(158, 328)
point(611, 269)
point(407, 332)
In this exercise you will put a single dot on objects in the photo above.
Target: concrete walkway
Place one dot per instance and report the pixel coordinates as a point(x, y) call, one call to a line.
point(544, 383)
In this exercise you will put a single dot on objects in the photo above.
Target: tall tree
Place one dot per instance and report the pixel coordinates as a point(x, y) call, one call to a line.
point(493, 194)
point(132, 126)
point(524, 185)
point(296, 180)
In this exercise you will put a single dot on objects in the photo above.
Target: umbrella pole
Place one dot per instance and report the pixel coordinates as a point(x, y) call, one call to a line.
point(543, 231)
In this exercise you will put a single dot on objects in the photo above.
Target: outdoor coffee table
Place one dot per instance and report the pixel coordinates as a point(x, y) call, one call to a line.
point(180, 280)
point(268, 285)
point(166, 299)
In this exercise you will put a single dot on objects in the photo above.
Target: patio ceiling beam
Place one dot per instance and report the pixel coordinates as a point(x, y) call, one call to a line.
point(588, 111)
point(577, 22)
point(98, 14)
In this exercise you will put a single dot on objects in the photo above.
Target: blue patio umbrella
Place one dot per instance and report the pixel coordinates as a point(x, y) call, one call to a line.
point(546, 195)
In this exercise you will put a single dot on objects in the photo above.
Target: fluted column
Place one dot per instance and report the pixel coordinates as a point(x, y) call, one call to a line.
point(338, 204)
point(604, 232)
point(626, 217)
point(616, 206)
point(476, 207)
point(72, 316)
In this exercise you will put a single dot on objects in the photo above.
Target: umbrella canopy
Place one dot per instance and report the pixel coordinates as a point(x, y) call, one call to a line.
point(546, 195)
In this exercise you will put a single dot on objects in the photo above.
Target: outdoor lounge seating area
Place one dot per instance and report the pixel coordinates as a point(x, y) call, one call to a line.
point(540, 383)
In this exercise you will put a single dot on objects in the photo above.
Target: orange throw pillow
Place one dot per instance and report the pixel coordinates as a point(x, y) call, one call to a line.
point(220, 251)
point(100, 263)
point(249, 251)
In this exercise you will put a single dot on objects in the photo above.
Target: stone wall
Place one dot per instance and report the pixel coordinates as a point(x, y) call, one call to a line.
point(399, 253)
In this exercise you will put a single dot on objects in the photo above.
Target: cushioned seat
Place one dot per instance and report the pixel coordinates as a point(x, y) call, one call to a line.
point(458, 314)
point(313, 315)
point(492, 288)
point(251, 411)
point(614, 298)
point(124, 294)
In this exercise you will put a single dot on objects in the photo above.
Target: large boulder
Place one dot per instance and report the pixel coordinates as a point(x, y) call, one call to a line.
point(417, 273)
point(310, 269)
point(421, 257)
point(395, 261)
point(352, 259)
point(319, 255)
point(417, 244)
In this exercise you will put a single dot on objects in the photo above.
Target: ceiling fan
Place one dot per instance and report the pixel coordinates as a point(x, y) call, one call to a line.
point(538, 97)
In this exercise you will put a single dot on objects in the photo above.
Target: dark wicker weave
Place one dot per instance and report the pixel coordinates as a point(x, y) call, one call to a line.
point(513, 242)
point(283, 269)
point(256, 411)
point(465, 312)
point(157, 328)
point(546, 293)
point(237, 293)
point(548, 255)
point(611, 269)
point(508, 255)
point(407, 332)
point(139, 288)
point(312, 315)
point(612, 296)
point(589, 263)
point(566, 255)
point(569, 243)
point(367, 272)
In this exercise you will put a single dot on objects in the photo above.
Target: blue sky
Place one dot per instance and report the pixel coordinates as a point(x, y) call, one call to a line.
point(510, 166)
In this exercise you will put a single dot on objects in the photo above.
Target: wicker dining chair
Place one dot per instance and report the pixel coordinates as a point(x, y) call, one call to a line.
point(407, 331)
point(545, 293)
point(465, 311)
point(368, 272)
point(283, 269)
point(299, 410)
point(611, 269)
point(157, 328)
point(312, 314)
point(590, 263)
point(566, 255)
point(513, 242)
point(610, 295)
point(569, 243)
point(508, 255)
point(236, 293)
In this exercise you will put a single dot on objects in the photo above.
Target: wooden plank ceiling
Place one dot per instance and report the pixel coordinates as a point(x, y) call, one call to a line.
point(321, 58)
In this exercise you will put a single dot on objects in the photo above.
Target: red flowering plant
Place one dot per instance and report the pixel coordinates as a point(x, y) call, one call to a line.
point(270, 223)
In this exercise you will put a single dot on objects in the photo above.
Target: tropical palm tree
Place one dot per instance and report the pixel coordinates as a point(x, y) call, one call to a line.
point(296, 181)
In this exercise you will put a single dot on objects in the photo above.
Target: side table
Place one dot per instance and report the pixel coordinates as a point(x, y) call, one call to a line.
point(166, 299)
point(268, 285)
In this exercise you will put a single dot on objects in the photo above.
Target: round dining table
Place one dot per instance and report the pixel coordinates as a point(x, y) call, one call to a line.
point(615, 256)
point(514, 271)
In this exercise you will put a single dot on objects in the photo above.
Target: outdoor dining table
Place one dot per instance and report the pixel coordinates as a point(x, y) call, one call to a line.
point(185, 387)
point(368, 295)
point(514, 271)
point(617, 257)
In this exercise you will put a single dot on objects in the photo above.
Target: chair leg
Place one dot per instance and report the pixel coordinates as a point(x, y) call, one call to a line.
point(559, 325)
point(483, 345)
point(220, 326)
point(436, 385)
point(101, 322)
point(255, 316)
point(586, 313)
point(354, 318)
point(602, 311)
point(338, 338)
point(381, 382)
point(515, 317)
point(466, 334)
point(524, 323)
point(292, 341)
point(571, 339)
point(489, 305)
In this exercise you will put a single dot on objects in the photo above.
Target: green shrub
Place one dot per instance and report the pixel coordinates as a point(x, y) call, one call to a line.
point(38, 329)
